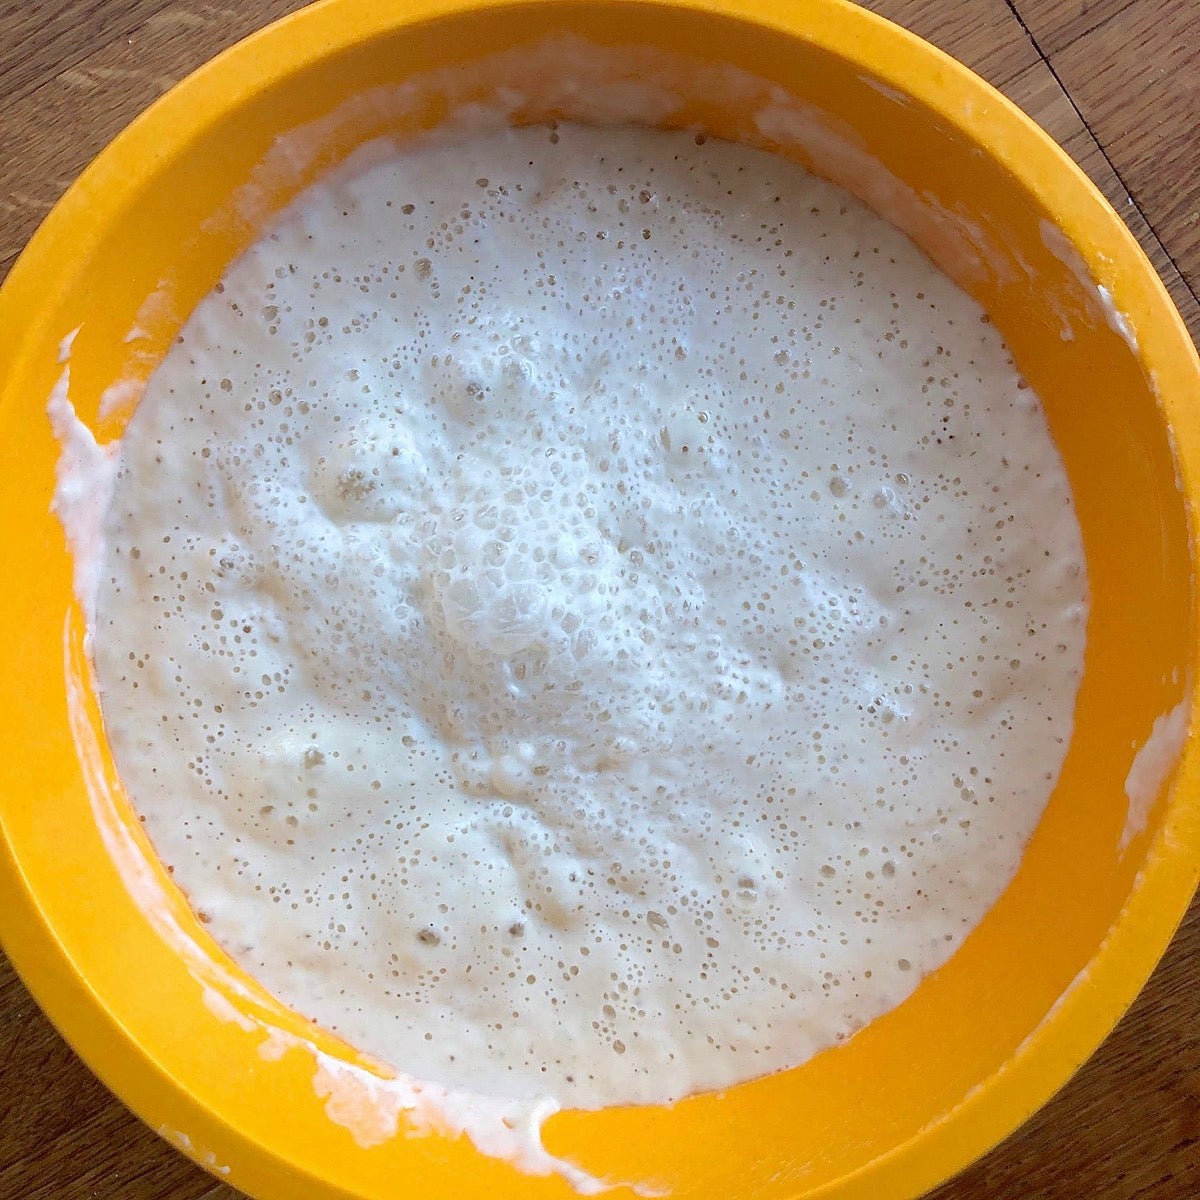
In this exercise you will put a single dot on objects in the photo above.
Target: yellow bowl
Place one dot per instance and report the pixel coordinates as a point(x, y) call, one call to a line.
point(137, 987)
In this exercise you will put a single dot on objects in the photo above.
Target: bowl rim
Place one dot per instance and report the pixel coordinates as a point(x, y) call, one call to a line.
point(1091, 1007)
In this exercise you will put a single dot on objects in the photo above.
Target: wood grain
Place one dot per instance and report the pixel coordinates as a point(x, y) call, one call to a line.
point(1056, 24)
point(74, 72)
point(51, 129)
point(1152, 144)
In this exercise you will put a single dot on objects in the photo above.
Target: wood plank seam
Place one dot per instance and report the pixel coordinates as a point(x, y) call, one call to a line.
point(1112, 16)
point(1016, 12)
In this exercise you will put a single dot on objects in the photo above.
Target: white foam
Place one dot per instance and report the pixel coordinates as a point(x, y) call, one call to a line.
point(589, 616)
point(85, 476)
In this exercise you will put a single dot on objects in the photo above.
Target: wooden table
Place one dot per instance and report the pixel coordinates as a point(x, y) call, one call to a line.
point(1117, 82)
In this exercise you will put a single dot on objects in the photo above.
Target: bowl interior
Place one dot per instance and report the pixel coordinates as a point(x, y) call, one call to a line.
point(165, 1017)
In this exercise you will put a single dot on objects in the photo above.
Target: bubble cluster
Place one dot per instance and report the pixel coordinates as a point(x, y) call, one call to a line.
point(589, 612)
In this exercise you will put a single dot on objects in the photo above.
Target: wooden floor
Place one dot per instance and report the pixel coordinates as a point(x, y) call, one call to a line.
point(1117, 82)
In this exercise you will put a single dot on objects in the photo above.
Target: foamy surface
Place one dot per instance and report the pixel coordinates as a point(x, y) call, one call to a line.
point(589, 613)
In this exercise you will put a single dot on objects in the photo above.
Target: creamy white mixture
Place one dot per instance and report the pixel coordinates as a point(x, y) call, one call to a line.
point(589, 613)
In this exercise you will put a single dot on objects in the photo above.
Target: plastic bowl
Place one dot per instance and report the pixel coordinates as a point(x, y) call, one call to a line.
point(137, 987)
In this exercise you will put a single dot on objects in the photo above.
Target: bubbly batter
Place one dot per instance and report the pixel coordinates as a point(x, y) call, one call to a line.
point(589, 613)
